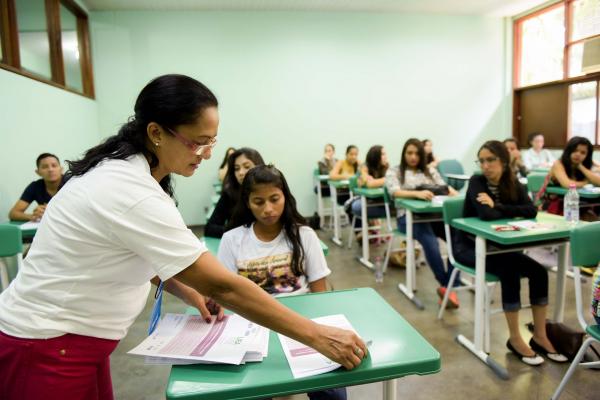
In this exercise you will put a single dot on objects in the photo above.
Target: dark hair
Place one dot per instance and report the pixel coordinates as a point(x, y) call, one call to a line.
point(230, 184)
point(510, 140)
point(226, 157)
point(348, 150)
point(532, 136)
point(565, 158)
point(42, 156)
point(507, 186)
point(291, 219)
point(421, 166)
point(373, 160)
point(170, 101)
point(428, 157)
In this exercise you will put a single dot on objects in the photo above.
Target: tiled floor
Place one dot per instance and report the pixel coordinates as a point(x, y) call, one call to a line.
point(462, 375)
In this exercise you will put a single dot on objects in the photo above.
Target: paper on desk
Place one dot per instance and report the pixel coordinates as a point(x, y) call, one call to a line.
point(438, 200)
point(531, 225)
point(30, 225)
point(188, 339)
point(305, 361)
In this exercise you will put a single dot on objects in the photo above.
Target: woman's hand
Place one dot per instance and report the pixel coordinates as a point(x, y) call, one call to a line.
point(191, 297)
point(424, 195)
point(38, 212)
point(484, 198)
point(339, 345)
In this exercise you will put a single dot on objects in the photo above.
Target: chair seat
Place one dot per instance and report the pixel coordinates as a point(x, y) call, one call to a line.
point(489, 277)
point(593, 331)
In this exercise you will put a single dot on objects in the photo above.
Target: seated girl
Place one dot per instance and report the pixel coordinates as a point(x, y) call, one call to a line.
point(372, 175)
point(240, 162)
point(575, 164)
point(494, 195)
point(40, 191)
point(536, 156)
point(432, 160)
point(223, 166)
point(406, 181)
point(270, 243)
point(344, 169)
point(516, 163)
point(326, 164)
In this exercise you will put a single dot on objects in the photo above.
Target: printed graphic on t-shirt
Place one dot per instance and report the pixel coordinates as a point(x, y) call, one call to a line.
point(272, 273)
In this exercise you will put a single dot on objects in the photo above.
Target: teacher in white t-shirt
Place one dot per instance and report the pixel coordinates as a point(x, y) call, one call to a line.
point(111, 230)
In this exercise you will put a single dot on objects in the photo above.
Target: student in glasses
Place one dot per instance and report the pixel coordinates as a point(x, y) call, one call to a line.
point(240, 162)
point(111, 230)
point(41, 191)
point(496, 194)
point(413, 179)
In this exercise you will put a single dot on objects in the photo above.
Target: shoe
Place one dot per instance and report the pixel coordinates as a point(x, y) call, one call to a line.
point(529, 360)
point(589, 271)
point(556, 357)
point(452, 298)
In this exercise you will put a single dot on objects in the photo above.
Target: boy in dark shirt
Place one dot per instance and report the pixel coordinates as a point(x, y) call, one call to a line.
point(40, 191)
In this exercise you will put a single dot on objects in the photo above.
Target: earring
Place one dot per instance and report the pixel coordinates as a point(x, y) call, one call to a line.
point(156, 144)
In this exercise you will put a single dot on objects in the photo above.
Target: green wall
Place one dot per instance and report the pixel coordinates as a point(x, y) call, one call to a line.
point(288, 82)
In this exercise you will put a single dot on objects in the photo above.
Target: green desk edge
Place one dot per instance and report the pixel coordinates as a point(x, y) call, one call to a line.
point(418, 206)
point(561, 191)
point(25, 233)
point(398, 350)
point(213, 245)
point(344, 183)
point(478, 227)
point(369, 193)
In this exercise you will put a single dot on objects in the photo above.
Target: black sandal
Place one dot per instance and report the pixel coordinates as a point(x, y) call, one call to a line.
point(534, 360)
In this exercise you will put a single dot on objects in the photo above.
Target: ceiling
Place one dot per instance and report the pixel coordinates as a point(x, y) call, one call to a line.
point(454, 7)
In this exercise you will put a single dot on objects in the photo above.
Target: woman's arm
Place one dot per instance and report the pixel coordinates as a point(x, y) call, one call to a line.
point(560, 175)
point(320, 285)
point(475, 193)
point(245, 298)
point(17, 212)
point(523, 208)
point(336, 172)
point(592, 177)
point(363, 177)
point(215, 226)
point(414, 194)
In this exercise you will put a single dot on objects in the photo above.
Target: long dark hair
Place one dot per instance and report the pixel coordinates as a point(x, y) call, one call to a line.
point(230, 184)
point(373, 160)
point(421, 166)
point(429, 157)
point(291, 219)
point(508, 186)
point(348, 150)
point(169, 101)
point(224, 162)
point(565, 158)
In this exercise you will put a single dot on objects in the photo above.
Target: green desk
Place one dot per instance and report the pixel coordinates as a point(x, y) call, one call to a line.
point(26, 233)
point(213, 245)
point(510, 241)
point(398, 350)
point(540, 170)
point(412, 207)
point(333, 187)
point(373, 194)
point(583, 194)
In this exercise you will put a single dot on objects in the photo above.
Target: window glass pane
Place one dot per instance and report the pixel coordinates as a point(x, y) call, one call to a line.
point(33, 37)
point(70, 49)
point(586, 19)
point(575, 59)
point(542, 43)
point(582, 110)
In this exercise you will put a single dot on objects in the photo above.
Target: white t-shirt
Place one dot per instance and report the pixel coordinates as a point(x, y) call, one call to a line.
point(104, 235)
point(268, 264)
point(533, 160)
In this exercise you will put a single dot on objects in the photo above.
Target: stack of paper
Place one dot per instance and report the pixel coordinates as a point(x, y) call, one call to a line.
point(188, 339)
point(305, 361)
point(30, 225)
point(531, 225)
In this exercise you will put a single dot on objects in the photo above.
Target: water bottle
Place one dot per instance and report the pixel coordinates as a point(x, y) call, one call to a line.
point(378, 270)
point(571, 206)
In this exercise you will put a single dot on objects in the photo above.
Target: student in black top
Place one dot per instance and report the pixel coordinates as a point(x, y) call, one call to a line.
point(493, 195)
point(240, 162)
point(40, 191)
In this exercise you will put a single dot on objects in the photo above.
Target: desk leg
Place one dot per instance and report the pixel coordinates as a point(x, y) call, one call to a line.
point(320, 208)
point(390, 389)
point(336, 218)
point(364, 260)
point(476, 347)
point(411, 282)
point(559, 308)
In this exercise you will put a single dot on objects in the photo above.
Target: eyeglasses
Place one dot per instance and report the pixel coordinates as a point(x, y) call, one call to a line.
point(196, 148)
point(487, 160)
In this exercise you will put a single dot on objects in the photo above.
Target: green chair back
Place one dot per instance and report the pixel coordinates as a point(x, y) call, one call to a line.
point(453, 208)
point(584, 244)
point(316, 172)
point(535, 182)
point(451, 167)
point(11, 241)
point(353, 182)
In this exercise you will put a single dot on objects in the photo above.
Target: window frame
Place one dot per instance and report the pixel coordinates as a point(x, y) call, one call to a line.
point(9, 40)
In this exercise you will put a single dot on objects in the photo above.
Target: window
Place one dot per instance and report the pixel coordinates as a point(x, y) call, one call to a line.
point(47, 40)
point(583, 109)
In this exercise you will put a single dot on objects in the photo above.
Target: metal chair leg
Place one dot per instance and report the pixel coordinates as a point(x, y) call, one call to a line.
point(574, 364)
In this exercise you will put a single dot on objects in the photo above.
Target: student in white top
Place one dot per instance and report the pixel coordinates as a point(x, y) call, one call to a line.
point(270, 244)
point(536, 156)
point(111, 230)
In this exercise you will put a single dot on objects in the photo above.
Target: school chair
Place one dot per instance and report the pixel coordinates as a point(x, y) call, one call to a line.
point(454, 167)
point(534, 183)
point(582, 254)
point(11, 245)
point(453, 208)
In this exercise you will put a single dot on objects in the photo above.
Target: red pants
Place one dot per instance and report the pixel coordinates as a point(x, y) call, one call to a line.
point(68, 367)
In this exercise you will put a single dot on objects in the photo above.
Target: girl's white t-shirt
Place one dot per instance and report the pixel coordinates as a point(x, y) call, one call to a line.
point(103, 237)
point(268, 264)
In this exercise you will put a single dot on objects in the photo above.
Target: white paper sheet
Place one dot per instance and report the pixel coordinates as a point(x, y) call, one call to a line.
point(531, 225)
point(30, 225)
point(188, 339)
point(305, 361)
